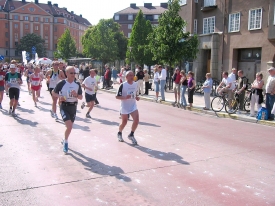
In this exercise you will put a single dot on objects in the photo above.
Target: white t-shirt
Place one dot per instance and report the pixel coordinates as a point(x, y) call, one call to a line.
point(128, 105)
point(91, 83)
point(76, 70)
point(163, 74)
point(65, 89)
point(227, 81)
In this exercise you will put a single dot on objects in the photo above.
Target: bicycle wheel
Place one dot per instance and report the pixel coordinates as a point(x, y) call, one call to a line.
point(247, 105)
point(231, 106)
point(217, 104)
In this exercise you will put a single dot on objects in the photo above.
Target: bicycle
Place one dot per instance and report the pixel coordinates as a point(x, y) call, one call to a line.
point(234, 104)
point(218, 102)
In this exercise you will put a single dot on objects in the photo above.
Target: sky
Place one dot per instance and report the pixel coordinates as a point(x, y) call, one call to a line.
point(94, 10)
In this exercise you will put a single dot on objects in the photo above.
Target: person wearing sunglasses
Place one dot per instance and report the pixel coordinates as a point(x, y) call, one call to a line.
point(69, 92)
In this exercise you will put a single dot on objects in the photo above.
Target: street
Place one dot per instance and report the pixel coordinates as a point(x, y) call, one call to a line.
point(182, 158)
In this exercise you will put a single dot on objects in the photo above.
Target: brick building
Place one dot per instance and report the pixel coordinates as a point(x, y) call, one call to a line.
point(126, 17)
point(18, 18)
point(239, 34)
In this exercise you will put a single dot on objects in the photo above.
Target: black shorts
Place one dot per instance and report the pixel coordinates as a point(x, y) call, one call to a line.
point(89, 97)
point(14, 93)
point(50, 90)
point(68, 112)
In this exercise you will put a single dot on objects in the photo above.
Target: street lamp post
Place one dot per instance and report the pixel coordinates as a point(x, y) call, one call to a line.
point(130, 48)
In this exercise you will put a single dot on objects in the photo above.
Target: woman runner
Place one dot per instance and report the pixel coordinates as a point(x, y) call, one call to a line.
point(35, 79)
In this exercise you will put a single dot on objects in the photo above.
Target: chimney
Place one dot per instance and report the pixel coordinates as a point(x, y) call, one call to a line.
point(133, 6)
point(65, 8)
point(55, 5)
point(36, 1)
point(148, 5)
point(72, 12)
point(80, 15)
point(164, 5)
point(49, 3)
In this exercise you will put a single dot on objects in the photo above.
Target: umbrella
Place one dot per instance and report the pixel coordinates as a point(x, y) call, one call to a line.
point(44, 61)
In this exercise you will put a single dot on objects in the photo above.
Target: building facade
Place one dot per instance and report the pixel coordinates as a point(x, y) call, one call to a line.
point(232, 34)
point(126, 17)
point(18, 18)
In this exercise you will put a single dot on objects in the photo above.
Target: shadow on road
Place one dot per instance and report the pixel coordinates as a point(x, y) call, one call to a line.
point(25, 121)
point(169, 156)
point(99, 167)
point(148, 124)
point(21, 109)
point(106, 122)
point(105, 108)
point(4, 111)
point(44, 103)
point(86, 120)
point(1, 145)
point(43, 109)
point(84, 128)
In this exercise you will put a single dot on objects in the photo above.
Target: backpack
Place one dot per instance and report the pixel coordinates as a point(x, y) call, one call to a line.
point(262, 114)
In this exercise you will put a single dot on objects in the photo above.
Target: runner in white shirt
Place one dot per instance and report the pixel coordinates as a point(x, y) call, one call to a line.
point(127, 93)
point(90, 86)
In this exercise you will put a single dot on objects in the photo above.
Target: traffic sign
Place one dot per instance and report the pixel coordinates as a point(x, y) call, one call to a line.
point(2, 57)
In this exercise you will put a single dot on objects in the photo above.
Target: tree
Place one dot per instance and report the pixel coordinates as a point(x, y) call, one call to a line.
point(66, 46)
point(139, 40)
point(104, 41)
point(30, 40)
point(168, 41)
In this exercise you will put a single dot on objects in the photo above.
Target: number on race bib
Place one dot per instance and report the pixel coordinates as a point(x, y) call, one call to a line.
point(13, 80)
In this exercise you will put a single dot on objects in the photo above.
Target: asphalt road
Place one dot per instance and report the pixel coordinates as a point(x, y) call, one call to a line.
point(183, 158)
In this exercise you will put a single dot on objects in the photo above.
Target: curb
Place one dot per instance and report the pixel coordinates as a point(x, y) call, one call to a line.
point(209, 112)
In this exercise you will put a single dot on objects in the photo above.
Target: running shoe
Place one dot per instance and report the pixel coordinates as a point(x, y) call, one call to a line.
point(132, 138)
point(83, 105)
point(13, 114)
point(65, 147)
point(55, 116)
point(51, 113)
point(88, 116)
point(1, 106)
point(120, 139)
point(10, 111)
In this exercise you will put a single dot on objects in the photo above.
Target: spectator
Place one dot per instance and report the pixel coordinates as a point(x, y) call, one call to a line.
point(183, 82)
point(76, 69)
point(114, 75)
point(270, 92)
point(191, 88)
point(156, 82)
point(242, 86)
point(233, 76)
point(162, 78)
point(176, 79)
point(146, 80)
point(86, 72)
point(107, 77)
point(140, 76)
point(207, 87)
point(256, 95)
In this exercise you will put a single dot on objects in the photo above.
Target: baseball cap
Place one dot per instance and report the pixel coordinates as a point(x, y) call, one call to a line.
point(271, 68)
point(12, 66)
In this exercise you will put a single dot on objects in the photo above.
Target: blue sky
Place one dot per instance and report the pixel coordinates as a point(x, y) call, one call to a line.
point(94, 10)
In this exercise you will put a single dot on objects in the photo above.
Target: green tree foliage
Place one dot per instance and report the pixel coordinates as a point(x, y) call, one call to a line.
point(168, 41)
point(30, 40)
point(66, 46)
point(105, 41)
point(139, 40)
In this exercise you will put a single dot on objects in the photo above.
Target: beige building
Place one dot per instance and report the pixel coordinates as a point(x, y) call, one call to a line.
point(18, 18)
point(232, 33)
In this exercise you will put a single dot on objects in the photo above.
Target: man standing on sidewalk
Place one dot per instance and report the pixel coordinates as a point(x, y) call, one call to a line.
point(270, 92)
point(90, 86)
point(140, 76)
point(127, 93)
point(242, 85)
point(162, 77)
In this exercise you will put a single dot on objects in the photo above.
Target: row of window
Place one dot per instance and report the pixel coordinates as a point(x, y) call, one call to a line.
point(131, 17)
point(27, 18)
point(254, 22)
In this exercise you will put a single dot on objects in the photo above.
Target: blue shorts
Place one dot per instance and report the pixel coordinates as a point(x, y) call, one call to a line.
point(89, 97)
point(156, 87)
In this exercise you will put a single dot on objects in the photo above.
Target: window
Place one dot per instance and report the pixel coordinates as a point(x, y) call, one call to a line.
point(234, 22)
point(6, 34)
point(31, 9)
point(16, 26)
point(209, 3)
point(55, 29)
point(195, 26)
point(36, 28)
point(16, 43)
point(15, 17)
point(182, 2)
point(46, 20)
point(6, 16)
point(26, 18)
point(26, 26)
point(55, 20)
point(16, 35)
point(6, 25)
point(116, 17)
point(36, 19)
point(129, 35)
point(130, 17)
point(16, 53)
point(130, 26)
point(65, 21)
point(209, 25)
point(7, 52)
point(156, 17)
point(255, 19)
point(55, 46)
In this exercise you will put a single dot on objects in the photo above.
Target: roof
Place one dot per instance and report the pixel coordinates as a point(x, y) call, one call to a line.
point(50, 8)
point(145, 10)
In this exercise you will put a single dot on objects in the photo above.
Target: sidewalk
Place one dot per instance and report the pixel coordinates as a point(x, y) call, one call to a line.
point(197, 106)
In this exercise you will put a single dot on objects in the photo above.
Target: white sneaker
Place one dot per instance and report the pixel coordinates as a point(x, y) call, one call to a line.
point(55, 116)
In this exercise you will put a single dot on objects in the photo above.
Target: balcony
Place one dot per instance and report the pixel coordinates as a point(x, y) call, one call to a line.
point(208, 5)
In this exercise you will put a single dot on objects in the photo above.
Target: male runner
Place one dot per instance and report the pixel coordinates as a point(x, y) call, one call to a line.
point(127, 93)
point(2, 83)
point(90, 86)
point(54, 75)
point(68, 91)
point(13, 81)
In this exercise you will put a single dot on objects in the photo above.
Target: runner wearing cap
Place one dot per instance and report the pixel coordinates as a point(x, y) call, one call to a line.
point(127, 93)
point(13, 81)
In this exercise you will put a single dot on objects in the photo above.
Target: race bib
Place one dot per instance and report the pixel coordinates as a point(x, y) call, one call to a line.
point(13, 80)
point(133, 94)
point(1, 77)
point(35, 83)
point(69, 94)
